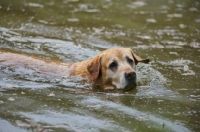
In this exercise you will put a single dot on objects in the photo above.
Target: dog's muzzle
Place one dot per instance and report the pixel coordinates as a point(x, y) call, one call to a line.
point(130, 77)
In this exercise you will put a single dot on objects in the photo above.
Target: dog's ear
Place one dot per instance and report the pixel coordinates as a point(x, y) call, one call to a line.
point(94, 68)
point(139, 59)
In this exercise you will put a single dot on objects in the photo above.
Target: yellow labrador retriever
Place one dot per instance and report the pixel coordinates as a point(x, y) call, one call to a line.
point(112, 68)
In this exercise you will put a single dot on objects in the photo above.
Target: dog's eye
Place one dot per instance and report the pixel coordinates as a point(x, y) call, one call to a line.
point(130, 61)
point(113, 65)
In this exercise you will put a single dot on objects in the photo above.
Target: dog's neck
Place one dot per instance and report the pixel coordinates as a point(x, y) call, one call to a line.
point(80, 69)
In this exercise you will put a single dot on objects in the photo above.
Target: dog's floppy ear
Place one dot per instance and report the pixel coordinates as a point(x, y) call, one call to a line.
point(94, 68)
point(139, 59)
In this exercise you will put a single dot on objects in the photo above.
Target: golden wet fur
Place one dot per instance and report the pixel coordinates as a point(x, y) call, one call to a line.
point(112, 68)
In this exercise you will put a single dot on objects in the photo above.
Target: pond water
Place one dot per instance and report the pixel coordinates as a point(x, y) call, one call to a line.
point(168, 94)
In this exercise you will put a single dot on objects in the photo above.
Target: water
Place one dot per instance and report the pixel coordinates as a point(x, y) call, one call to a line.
point(168, 94)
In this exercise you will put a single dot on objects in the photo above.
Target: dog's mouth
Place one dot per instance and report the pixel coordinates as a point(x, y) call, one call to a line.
point(130, 87)
point(130, 79)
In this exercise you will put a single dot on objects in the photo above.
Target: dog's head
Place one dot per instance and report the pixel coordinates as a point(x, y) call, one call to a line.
point(116, 68)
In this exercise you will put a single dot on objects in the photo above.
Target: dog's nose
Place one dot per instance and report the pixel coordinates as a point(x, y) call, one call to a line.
point(130, 74)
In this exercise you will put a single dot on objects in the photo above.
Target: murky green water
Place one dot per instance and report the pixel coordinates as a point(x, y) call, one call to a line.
point(168, 95)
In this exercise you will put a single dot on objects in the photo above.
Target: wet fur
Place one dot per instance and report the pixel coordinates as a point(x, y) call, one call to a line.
point(94, 70)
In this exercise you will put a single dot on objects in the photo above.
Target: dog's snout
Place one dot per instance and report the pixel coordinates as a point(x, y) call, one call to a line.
point(130, 74)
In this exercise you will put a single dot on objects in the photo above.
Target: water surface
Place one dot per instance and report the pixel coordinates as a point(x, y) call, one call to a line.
point(168, 94)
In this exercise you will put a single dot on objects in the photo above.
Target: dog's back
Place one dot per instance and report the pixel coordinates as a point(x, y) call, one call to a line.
point(27, 63)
